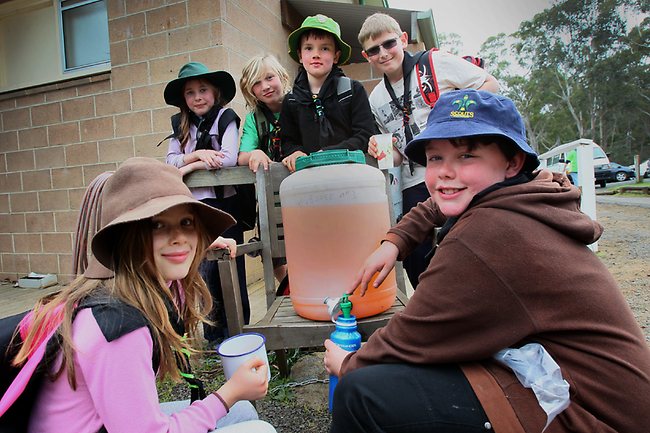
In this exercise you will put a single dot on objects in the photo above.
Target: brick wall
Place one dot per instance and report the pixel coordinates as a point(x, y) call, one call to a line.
point(55, 139)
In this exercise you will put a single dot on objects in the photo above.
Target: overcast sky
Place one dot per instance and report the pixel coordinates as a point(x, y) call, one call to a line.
point(476, 20)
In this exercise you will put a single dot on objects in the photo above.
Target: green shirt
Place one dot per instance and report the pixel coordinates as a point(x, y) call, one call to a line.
point(249, 137)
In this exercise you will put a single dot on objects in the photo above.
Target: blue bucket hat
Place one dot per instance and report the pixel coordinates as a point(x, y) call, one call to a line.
point(469, 113)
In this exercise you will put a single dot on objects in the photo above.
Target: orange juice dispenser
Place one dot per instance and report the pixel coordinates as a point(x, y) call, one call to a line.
point(335, 214)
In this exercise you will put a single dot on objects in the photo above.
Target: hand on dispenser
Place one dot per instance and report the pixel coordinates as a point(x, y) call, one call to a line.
point(290, 161)
point(382, 260)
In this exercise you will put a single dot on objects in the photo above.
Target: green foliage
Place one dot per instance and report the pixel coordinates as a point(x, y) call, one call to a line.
point(581, 69)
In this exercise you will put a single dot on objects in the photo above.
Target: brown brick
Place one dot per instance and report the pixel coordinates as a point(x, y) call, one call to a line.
point(127, 27)
point(28, 243)
point(21, 160)
point(101, 85)
point(163, 71)
point(78, 108)
point(91, 172)
point(9, 141)
point(15, 119)
point(67, 177)
point(195, 37)
point(147, 47)
point(18, 264)
point(65, 268)
point(3, 163)
point(358, 71)
point(147, 97)
point(133, 6)
point(4, 203)
point(53, 200)
point(50, 157)
point(61, 94)
point(66, 221)
point(32, 137)
point(29, 100)
point(57, 242)
point(6, 243)
point(203, 10)
point(116, 150)
point(145, 145)
point(65, 133)
point(133, 124)
point(12, 223)
point(115, 9)
point(133, 75)
point(214, 58)
point(10, 182)
point(96, 129)
point(37, 180)
point(113, 103)
point(46, 114)
point(119, 54)
point(166, 18)
point(39, 222)
point(23, 202)
point(7, 104)
point(81, 154)
point(44, 263)
point(161, 120)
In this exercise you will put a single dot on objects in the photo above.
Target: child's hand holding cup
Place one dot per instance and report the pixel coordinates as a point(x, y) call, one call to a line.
point(236, 350)
point(384, 150)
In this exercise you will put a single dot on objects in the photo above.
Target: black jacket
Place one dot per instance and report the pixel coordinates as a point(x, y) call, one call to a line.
point(344, 124)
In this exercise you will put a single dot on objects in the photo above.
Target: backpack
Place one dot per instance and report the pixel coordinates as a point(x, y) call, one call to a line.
point(245, 209)
point(14, 415)
point(426, 75)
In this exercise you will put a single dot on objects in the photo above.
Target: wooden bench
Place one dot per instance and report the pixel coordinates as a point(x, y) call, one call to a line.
point(641, 189)
point(281, 326)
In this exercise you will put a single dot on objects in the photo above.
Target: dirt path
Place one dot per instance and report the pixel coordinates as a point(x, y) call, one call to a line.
point(625, 249)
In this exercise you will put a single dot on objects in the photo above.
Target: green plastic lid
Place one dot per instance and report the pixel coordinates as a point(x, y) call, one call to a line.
point(346, 306)
point(330, 157)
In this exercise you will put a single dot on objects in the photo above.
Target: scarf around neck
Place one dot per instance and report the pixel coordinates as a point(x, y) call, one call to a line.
point(203, 126)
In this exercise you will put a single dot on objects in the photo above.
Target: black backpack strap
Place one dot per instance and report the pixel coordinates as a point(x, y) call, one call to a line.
point(226, 118)
point(176, 127)
point(344, 90)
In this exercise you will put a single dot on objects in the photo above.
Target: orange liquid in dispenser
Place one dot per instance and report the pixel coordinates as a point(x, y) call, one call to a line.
point(326, 247)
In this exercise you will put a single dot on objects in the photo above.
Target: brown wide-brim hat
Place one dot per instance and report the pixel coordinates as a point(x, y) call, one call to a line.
point(222, 80)
point(139, 189)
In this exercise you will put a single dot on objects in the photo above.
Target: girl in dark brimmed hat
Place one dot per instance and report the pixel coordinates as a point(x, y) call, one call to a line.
point(206, 137)
point(126, 319)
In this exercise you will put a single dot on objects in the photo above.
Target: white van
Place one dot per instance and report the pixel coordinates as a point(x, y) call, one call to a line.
point(560, 162)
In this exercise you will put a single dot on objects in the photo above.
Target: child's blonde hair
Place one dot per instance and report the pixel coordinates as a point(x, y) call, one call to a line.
point(252, 73)
point(376, 25)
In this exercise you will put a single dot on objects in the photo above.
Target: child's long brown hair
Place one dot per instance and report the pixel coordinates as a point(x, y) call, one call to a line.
point(138, 283)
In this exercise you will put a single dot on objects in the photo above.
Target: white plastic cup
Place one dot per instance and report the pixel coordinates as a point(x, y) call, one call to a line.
point(384, 150)
point(238, 349)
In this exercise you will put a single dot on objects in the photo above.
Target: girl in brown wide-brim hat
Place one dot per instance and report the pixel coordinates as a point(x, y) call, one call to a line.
point(122, 324)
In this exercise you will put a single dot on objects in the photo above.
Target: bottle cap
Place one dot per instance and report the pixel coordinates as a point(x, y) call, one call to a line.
point(330, 157)
point(346, 306)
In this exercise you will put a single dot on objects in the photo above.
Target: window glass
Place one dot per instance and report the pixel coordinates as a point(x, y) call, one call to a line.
point(85, 33)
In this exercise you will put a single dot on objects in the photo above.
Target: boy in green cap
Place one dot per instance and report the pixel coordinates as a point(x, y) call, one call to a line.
point(325, 110)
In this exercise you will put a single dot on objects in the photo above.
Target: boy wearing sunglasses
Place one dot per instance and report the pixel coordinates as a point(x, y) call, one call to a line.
point(401, 109)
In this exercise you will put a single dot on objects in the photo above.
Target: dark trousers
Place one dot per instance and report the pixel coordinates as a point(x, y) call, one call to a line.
point(407, 398)
point(417, 261)
point(210, 274)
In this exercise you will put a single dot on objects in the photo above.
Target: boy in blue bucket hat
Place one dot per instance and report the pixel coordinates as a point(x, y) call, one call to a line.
point(512, 287)
point(325, 109)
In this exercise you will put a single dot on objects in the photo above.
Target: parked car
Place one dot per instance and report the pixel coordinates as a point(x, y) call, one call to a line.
point(613, 172)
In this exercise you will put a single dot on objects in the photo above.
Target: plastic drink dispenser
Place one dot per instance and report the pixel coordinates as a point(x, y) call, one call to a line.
point(335, 214)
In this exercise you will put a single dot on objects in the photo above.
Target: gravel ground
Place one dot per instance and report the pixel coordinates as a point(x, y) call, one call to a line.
point(624, 248)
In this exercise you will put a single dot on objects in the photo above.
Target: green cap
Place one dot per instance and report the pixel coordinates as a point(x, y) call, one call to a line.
point(320, 22)
point(330, 157)
point(346, 306)
point(222, 80)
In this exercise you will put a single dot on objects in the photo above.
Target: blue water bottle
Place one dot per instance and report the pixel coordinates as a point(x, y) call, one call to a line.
point(345, 336)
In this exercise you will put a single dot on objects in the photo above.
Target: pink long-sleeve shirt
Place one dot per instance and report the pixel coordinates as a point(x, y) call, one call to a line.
point(229, 147)
point(116, 388)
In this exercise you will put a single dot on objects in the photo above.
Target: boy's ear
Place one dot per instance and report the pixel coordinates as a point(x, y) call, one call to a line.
point(515, 165)
point(365, 56)
point(336, 57)
point(404, 38)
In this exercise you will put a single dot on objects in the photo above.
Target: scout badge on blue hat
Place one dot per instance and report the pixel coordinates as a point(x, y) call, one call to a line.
point(319, 22)
point(468, 113)
point(222, 80)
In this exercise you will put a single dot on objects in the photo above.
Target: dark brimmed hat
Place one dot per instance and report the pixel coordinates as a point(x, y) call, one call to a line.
point(222, 80)
point(319, 22)
point(469, 113)
point(142, 188)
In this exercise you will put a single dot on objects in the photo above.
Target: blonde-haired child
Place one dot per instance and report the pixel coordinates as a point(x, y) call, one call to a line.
point(264, 83)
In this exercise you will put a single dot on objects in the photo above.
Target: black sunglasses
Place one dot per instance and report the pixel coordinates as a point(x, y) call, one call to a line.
point(387, 45)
